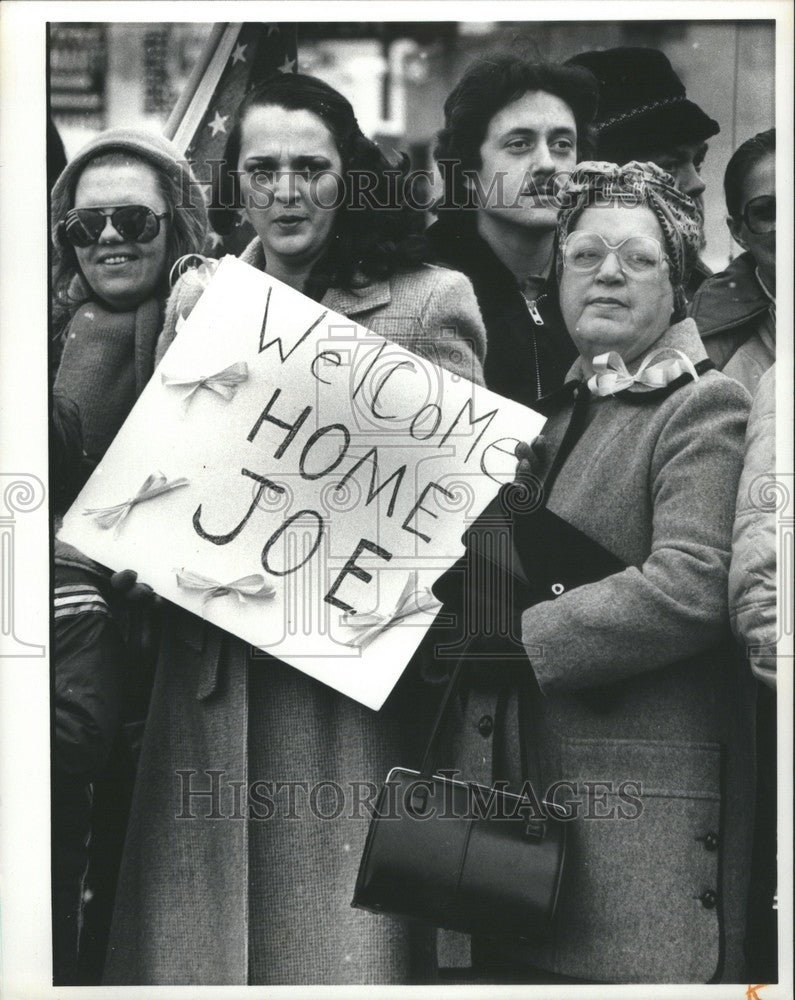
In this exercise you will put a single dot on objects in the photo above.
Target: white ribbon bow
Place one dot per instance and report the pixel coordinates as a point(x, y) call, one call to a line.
point(224, 383)
point(254, 586)
point(154, 486)
point(611, 375)
point(200, 274)
point(409, 603)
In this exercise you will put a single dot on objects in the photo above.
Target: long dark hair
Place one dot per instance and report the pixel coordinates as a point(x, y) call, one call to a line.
point(371, 240)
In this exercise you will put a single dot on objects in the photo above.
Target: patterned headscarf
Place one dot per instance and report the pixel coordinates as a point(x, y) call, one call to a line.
point(635, 184)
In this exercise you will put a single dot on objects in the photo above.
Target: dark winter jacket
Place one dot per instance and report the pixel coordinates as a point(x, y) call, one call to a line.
point(528, 349)
point(89, 664)
point(696, 279)
point(734, 318)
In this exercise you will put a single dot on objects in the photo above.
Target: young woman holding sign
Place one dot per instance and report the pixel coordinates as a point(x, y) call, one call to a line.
point(245, 836)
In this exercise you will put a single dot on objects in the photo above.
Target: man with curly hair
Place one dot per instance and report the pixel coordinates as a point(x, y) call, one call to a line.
point(513, 132)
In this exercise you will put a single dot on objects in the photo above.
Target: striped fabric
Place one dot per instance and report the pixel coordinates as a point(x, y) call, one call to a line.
point(77, 599)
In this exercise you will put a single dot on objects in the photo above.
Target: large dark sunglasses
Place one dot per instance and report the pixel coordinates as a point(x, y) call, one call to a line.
point(83, 227)
point(760, 214)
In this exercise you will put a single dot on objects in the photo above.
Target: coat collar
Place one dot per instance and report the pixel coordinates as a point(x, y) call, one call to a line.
point(681, 336)
point(456, 242)
point(254, 254)
point(730, 298)
point(351, 301)
point(348, 301)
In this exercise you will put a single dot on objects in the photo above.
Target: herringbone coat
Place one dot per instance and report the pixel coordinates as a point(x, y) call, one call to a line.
point(209, 895)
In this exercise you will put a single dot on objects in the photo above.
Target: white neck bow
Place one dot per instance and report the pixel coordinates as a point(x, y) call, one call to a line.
point(611, 374)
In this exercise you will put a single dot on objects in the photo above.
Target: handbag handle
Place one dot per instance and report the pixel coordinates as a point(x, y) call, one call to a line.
point(427, 758)
point(529, 757)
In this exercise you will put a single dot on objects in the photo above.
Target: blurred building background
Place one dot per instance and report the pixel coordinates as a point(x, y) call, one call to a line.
point(398, 74)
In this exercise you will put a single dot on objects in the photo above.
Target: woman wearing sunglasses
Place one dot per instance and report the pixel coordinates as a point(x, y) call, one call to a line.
point(116, 231)
point(735, 311)
point(638, 690)
point(116, 234)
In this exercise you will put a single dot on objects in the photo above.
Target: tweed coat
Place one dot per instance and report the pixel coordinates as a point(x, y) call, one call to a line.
point(637, 683)
point(431, 311)
point(212, 889)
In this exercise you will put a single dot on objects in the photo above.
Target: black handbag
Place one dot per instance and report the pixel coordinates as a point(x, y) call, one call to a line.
point(433, 853)
point(458, 855)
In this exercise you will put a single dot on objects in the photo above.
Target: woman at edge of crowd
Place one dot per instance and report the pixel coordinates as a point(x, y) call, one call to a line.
point(121, 214)
point(636, 677)
point(206, 901)
point(736, 316)
point(735, 311)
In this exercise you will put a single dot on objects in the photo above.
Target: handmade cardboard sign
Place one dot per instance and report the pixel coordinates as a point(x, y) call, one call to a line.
point(298, 481)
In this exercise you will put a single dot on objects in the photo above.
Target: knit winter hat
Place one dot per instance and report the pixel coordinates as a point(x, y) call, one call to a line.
point(643, 105)
point(147, 146)
point(594, 184)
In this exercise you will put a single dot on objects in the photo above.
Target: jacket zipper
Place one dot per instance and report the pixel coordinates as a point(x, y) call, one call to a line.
point(535, 316)
point(532, 308)
point(535, 362)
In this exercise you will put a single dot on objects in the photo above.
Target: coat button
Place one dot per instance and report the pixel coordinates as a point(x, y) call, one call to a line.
point(485, 725)
point(711, 841)
point(557, 589)
point(709, 899)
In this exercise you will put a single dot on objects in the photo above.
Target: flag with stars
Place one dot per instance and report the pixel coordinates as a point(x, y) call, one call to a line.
point(240, 57)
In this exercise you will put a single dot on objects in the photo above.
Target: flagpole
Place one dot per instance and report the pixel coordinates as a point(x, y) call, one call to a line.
point(192, 103)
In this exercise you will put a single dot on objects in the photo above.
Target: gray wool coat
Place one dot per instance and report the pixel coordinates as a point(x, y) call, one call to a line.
point(209, 891)
point(639, 684)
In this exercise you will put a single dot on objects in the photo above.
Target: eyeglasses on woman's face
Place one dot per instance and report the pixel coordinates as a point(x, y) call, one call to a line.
point(83, 227)
point(759, 214)
point(637, 256)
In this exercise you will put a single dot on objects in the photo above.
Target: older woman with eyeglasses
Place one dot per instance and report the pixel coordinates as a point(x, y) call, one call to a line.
point(642, 714)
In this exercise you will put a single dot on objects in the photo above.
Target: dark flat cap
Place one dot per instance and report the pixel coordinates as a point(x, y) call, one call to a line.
point(642, 104)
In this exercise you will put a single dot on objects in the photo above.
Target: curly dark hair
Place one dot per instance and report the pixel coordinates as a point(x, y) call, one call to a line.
point(370, 240)
point(742, 162)
point(485, 89)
